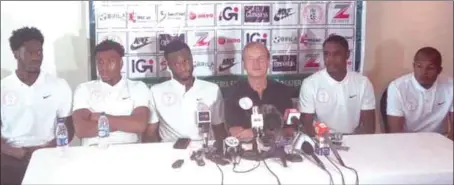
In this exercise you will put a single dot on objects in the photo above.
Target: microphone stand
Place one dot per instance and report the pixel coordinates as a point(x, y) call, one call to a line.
point(207, 151)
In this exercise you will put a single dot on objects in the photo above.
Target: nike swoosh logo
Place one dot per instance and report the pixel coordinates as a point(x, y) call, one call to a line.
point(352, 96)
point(224, 67)
point(279, 17)
point(441, 103)
point(45, 97)
point(138, 46)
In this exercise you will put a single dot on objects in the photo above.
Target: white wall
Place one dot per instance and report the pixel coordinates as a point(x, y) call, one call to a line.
point(394, 31)
point(65, 31)
point(66, 34)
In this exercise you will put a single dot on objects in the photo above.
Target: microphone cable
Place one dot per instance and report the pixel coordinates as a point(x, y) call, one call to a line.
point(245, 171)
point(222, 173)
point(331, 181)
point(356, 174)
point(338, 169)
point(267, 167)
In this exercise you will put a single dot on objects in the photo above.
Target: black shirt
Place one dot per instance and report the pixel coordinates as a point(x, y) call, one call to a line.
point(276, 94)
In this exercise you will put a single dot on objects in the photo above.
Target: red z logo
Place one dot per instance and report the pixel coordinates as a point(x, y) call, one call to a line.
point(342, 13)
point(201, 41)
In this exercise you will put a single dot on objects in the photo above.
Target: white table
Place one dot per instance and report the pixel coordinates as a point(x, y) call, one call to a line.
point(422, 158)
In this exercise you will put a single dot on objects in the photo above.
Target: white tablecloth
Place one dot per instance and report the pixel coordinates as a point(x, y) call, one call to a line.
point(419, 158)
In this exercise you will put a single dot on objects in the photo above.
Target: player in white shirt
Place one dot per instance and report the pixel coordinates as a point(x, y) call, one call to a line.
point(124, 101)
point(421, 101)
point(174, 103)
point(31, 102)
point(342, 99)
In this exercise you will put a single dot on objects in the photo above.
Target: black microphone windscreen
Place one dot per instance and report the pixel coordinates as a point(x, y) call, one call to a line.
point(307, 148)
point(272, 118)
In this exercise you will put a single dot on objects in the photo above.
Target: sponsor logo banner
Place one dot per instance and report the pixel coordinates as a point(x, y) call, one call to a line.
point(313, 13)
point(285, 14)
point(229, 64)
point(228, 14)
point(284, 63)
point(142, 66)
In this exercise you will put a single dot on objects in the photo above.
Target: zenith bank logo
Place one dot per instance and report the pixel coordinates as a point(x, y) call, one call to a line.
point(311, 61)
point(193, 16)
point(256, 37)
point(202, 41)
point(142, 65)
point(342, 11)
point(229, 13)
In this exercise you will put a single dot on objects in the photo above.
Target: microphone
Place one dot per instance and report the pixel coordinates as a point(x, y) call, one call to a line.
point(309, 150)
point(203, 121)
point(292, 116)
point(231, 148)
point(322, 147)
point(326, 137)
point(257, 121)
point(272, 124)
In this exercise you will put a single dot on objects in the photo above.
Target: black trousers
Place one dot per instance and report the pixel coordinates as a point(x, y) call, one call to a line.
point(12, 170)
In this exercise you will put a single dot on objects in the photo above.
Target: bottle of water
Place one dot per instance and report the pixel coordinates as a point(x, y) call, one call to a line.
point(103, 131)
point(61, 135)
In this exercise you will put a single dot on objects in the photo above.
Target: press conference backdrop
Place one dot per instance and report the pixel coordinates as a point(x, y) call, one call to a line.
point(217, 31)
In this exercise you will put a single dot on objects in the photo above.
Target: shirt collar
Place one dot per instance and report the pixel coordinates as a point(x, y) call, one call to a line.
point(420, 87)
point(40, 79)
point(181, 87)
point(120, 84)
point(331, 81)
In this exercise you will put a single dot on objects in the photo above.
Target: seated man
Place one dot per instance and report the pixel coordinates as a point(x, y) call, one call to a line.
point(342, 99)
point(124, 101)
point(422, 100)
point(31, 102)
point(259, 89)
point(174, 102)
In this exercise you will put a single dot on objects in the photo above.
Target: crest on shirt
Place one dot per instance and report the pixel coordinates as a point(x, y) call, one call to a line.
point(411, 104)
point(9, 98)
point(96, 95)
point(169, 98)
point(322, 96)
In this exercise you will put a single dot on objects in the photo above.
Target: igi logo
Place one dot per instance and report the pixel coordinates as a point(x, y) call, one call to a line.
point(141, 65)
point(228, 13)
point(257, 37)
point(257, 14)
